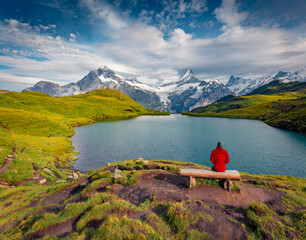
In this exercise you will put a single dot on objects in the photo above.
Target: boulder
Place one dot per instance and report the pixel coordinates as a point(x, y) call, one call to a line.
point(42, 181)
point(116, 175)
point(75, 175)
point(47, 170)
point(117, 170)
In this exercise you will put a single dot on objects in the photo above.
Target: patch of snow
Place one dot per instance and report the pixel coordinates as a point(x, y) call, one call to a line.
point(184, 87)
point(239, 87)
point(141, 86)
point(103, 79)
point(198, 93)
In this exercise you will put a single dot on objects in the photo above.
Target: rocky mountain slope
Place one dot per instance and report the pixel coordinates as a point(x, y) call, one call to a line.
point(183, 95)
point(189, 92)
point(243, 86)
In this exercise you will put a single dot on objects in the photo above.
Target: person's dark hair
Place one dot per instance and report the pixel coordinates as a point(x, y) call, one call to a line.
point(219, 144)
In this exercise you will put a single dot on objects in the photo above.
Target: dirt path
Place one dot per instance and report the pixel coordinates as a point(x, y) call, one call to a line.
point(167, 185)
point(7, 161)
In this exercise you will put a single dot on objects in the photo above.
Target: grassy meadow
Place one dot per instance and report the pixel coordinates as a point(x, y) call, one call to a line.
point(36, 128)
point(284, 110)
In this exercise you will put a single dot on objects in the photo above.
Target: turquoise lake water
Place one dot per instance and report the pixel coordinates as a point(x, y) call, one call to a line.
point(253, 146)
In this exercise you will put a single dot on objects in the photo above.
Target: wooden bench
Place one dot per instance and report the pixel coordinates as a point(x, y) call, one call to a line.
point(228, 175)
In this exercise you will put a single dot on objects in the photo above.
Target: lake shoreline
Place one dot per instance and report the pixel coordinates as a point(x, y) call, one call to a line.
point(281, 125)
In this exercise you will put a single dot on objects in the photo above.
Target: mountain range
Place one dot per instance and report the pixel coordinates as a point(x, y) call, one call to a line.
point(185, 94)
point(243, 86)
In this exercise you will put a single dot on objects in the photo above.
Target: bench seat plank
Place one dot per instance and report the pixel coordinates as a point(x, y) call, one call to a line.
point(203, 173)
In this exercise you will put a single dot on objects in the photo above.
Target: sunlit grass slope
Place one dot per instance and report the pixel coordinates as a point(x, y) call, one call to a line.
point(284, 110)
point(35, 129)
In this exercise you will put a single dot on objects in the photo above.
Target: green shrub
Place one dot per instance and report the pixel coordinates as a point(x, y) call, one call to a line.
point(263, 222)
point(125, 167)
point(123, 228)
point(177, 217)
point(104, 174)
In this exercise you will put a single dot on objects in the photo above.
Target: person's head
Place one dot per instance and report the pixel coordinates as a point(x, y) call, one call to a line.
point(219, 144)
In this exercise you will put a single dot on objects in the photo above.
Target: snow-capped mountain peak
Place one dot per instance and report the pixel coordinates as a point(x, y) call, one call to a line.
point(187, 75)
point(242, 86)
point(214, 81)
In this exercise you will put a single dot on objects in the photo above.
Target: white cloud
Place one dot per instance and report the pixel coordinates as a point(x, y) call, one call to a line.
point(104, 12)
point(198, 6)
point(45, 28)
point(72, 37)
point(33, 55)
point(229, 15)
point(140, 50)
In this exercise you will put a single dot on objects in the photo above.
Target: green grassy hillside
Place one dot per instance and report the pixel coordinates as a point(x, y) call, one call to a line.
point(284, 110)
point(278, 87)
point(35, 130)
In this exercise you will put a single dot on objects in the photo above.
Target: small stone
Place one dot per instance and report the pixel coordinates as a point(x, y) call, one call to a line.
point(107, 164)
point(146, 161)
point(117, 170)
point(42, 181)
point(47, 170)
point(116, 175)
point(75, 175)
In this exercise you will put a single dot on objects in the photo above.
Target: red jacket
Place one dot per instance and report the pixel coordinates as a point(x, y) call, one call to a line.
point(219, 157)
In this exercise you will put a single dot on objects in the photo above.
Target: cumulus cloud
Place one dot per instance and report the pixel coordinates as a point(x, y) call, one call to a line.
point(236, 51)
point(105, 12)
point(229, 15)
point(198, 6)
point(33, 55)
point(72, 37)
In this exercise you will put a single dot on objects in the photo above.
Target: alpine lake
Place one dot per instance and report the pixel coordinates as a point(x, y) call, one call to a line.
point(253, 146)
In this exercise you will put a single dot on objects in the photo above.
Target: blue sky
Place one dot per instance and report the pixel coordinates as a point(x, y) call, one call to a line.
point(155, 41)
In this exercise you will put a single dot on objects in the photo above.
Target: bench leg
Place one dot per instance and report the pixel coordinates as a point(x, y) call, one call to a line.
point(228, 185)
point(192, 182)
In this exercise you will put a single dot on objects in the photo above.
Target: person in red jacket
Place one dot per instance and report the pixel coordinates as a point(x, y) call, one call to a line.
point(219, 157)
